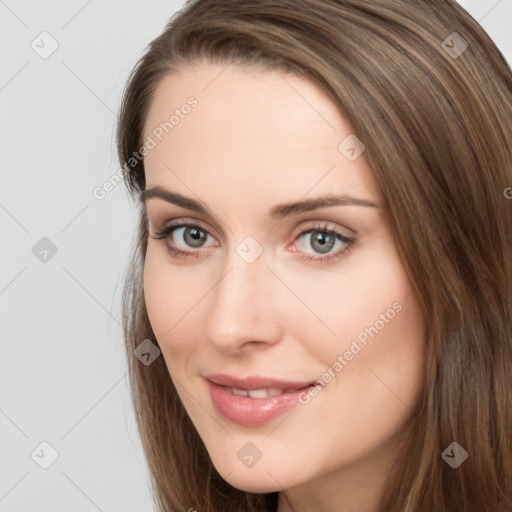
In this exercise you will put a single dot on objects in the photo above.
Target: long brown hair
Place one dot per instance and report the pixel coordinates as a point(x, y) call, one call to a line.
point(430, 95)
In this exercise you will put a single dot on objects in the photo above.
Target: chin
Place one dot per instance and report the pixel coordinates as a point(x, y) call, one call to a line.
point(246, 482)
point(261, 478)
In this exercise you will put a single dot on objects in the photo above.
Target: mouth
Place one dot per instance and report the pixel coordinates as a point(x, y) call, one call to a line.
point(253, 401)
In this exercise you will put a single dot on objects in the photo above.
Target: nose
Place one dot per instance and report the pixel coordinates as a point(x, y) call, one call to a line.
point(243, 309)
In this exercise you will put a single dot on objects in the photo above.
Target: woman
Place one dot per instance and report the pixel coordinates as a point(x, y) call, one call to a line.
point(318, 309)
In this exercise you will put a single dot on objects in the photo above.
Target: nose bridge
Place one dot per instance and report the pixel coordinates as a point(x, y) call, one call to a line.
point(242, 308)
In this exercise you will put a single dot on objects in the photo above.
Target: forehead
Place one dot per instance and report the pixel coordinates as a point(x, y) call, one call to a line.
point(266, 131)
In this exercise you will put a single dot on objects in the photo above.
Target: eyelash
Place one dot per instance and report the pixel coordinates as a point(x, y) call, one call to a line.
point(166, 232)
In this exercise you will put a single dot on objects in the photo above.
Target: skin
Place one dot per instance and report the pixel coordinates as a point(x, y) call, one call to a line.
point(258, 138)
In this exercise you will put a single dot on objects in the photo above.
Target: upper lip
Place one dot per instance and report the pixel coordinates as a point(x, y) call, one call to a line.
point(255, 382)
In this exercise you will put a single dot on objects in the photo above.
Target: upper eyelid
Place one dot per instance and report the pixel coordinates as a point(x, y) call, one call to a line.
point(176, 223)
point(300, 219)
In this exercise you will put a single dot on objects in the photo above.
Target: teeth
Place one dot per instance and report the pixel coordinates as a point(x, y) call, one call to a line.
point(257, 393)
point(274, 391)
point(239, 392)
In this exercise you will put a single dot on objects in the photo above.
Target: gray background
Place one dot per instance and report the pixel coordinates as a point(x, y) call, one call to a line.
point(62, 369)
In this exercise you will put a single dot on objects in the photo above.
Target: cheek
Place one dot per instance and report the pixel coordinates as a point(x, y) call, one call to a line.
point(381, 340)
point(371, 297)
point(170, 294)
point(378, 352)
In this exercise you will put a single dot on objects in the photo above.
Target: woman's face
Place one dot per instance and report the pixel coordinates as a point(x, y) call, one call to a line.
point(273, 288)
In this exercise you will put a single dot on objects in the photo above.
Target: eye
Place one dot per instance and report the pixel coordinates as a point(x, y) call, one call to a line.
point(188, 239)
point(193, 236)
point(184, 236)
point(327, 243)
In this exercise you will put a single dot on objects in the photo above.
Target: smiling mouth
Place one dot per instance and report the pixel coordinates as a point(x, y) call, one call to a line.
point(258, 405)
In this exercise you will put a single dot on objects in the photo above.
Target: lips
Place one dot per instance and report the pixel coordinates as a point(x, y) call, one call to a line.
point(253, 401)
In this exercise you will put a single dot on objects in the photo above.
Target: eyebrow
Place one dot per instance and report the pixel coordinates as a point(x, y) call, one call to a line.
point(276, 213)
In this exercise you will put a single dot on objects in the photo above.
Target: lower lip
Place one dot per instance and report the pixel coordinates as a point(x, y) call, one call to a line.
point(251, 412)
